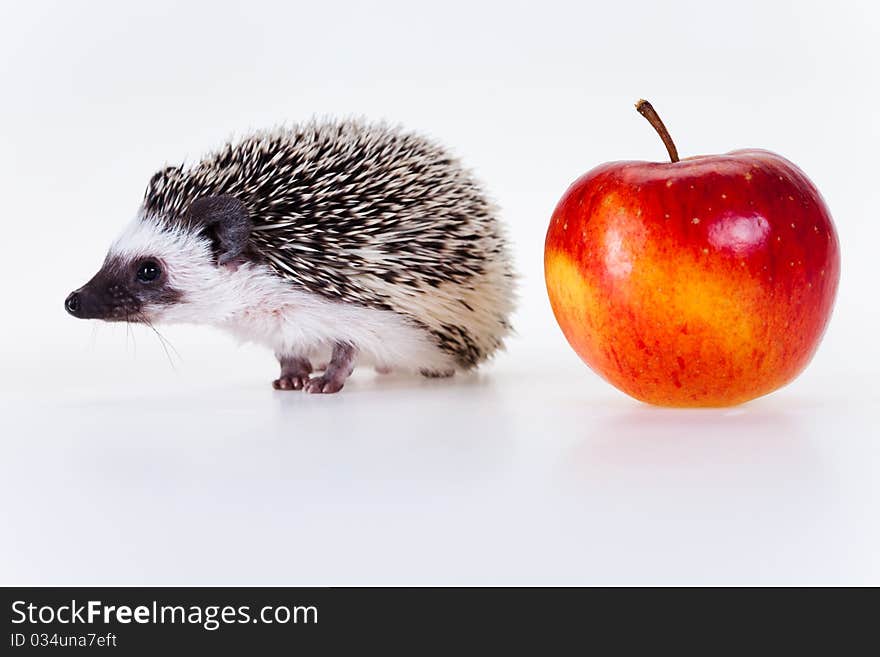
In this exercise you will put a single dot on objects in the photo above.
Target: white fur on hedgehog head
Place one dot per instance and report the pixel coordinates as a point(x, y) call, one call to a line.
point(187, 266)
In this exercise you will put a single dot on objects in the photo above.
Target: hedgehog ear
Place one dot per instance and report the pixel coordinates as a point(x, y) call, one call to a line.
point(225, 219)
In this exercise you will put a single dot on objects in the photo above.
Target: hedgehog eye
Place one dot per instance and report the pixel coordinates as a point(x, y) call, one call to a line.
point(148, 271)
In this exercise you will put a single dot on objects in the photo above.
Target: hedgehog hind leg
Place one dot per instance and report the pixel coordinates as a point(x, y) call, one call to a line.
point(295, 372)
point(339, 368)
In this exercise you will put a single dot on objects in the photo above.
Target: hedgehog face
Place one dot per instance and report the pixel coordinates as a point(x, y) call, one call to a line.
point(189, 268)
point(125, 289)
point(151, 273)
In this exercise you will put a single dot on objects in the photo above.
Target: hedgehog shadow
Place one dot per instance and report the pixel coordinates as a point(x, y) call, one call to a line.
point(367, 382)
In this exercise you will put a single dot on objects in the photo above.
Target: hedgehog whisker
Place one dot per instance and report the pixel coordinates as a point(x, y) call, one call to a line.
point(167, 347)
point(129, 334)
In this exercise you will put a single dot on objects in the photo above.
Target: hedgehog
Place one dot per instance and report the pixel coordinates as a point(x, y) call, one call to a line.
point(334, 243)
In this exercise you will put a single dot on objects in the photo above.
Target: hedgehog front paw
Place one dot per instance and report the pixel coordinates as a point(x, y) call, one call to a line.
point(294, 373)
point(290, 382)
point(324, 384)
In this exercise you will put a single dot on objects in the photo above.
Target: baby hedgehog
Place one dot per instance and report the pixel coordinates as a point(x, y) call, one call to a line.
point(333, 243)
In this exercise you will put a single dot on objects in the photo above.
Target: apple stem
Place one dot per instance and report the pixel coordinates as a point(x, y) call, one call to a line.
point(647, 110)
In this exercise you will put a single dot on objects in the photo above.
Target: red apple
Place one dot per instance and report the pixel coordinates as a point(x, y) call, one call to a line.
point(702, 282)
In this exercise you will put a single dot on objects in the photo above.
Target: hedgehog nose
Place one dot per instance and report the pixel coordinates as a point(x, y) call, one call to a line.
point(72, 303)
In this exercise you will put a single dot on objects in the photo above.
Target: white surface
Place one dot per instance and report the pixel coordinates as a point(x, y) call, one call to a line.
point(116, 468)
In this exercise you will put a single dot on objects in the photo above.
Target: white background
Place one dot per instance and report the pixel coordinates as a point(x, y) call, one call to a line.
point(117, 468)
